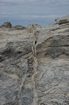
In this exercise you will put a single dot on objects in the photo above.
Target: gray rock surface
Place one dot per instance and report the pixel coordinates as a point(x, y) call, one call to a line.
point(6, 25)
point(34, 65)
point(62, 20)
point(18, 27)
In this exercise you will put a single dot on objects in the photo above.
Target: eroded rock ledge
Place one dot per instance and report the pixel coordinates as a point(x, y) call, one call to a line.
point(34, 64)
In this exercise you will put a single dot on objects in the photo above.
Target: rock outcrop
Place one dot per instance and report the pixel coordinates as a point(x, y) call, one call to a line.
point(19, 27)
point(6, 25)
point(32, 27)
point(62, 20)
point(34, 65)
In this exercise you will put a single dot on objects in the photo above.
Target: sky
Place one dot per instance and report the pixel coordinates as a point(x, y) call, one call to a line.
point(24, 12)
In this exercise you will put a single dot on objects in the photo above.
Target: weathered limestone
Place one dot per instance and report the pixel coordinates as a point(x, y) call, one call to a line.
point(62, 20)
point(6, 25)
point(34, 65)
point(18, 27)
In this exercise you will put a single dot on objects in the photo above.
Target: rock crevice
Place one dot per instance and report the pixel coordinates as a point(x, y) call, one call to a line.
point(34, 64)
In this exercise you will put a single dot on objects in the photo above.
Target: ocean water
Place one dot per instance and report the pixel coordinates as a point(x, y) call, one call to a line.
point(26, 22)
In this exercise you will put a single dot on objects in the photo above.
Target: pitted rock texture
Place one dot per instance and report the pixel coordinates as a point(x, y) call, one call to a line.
point(34, 64)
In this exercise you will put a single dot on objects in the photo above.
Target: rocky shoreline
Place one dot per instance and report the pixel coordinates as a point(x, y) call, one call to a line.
point(34, 64)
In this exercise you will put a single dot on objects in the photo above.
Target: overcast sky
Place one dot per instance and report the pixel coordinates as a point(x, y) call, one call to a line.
point(25, 12)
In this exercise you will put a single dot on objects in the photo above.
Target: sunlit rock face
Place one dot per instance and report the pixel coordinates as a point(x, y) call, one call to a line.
point(34, 64)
